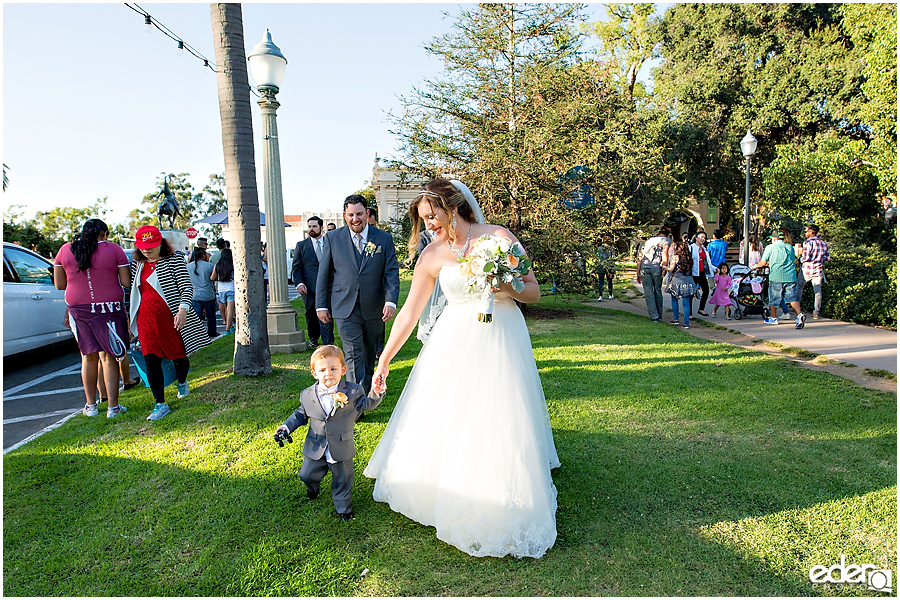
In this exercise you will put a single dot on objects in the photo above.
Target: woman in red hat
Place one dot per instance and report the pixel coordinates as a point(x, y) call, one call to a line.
point(161, 313)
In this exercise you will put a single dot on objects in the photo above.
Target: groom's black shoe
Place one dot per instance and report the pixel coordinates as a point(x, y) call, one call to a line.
point(346, 516)
point(312, 495)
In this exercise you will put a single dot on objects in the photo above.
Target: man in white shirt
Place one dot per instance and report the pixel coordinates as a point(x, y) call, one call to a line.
point(649, 275)
point(304, 272)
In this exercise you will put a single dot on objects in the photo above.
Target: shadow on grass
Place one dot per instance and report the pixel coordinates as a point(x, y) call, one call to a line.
point(630, 509)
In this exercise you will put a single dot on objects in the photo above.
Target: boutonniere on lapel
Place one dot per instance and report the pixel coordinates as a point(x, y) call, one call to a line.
point(370, 249)
point(340, 399)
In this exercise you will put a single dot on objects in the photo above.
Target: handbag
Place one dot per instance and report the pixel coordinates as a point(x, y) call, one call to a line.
point(169, 376)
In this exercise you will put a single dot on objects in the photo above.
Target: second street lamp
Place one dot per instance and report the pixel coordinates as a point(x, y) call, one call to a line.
point(748, 148)
point(267, 65)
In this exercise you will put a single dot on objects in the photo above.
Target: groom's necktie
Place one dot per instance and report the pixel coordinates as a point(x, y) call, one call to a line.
point(358, 242)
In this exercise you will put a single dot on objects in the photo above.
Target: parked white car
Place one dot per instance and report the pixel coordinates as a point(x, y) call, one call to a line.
point(33, 309)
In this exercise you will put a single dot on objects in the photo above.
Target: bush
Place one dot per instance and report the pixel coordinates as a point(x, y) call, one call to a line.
point(861, 286)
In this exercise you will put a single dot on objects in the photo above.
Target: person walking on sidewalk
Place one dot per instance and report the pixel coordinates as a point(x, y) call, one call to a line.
point(701, 270)
point(780, 257)
point(682, 286)
point(93, 271)
point(812, 263)
point(204, 302)
point(162, 315)
point(606, 267)
point(649, 273)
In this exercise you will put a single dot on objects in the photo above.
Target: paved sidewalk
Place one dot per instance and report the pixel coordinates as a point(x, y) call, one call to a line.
point(867, 347)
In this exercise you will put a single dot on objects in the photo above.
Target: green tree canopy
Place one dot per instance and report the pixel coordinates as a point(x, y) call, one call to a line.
point(785, 71)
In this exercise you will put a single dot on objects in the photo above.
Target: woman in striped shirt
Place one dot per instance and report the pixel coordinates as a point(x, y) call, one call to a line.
point(162, 315)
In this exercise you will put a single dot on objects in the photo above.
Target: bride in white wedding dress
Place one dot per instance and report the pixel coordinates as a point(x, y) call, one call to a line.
point(468, 449)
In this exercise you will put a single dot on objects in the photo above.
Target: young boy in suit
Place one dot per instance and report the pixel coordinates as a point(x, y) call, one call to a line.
point(331, 408)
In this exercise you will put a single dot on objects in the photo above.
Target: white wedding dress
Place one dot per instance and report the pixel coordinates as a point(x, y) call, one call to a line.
point(468, 449)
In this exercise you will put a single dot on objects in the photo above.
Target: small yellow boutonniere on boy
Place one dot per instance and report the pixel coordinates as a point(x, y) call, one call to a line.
point(370, 249)
point(340, 399)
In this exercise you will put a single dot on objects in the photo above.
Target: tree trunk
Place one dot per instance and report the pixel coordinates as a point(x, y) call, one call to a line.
point(251, 338)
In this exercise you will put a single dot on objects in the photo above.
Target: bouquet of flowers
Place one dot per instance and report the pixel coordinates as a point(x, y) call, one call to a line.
point(491, 261)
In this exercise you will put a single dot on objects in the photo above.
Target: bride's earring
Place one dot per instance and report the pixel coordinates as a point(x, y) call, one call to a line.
point(453, 222)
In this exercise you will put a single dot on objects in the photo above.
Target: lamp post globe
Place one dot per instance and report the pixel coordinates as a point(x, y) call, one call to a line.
point(748, 145)
point(748, 148)
point(267, 65)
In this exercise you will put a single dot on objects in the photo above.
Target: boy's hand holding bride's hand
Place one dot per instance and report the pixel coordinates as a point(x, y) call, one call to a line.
point(379, 379)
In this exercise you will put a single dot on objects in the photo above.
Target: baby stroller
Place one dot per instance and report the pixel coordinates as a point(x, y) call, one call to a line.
point(749, 290)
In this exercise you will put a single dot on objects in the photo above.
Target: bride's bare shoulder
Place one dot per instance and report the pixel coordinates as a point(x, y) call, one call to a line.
point(431, 260)
point(495, 230)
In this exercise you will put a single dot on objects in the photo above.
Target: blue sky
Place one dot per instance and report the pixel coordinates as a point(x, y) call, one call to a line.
point(94, 107)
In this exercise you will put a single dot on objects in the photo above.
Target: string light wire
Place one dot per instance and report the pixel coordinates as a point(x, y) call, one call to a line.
point(182, 45)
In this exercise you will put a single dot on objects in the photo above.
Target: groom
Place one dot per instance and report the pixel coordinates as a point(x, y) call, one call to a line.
point(359, 278)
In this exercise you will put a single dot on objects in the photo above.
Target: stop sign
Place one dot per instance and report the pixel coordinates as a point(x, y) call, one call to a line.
point(191, 233)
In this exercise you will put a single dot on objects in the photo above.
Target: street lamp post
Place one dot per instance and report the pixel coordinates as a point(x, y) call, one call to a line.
point(267, 65)
point(748, 147)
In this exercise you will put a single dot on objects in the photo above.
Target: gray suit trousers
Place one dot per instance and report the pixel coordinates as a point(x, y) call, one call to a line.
point(359, 338)
point(313, 472)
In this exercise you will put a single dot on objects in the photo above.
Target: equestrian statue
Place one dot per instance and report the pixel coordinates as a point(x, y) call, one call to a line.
point(168, 206)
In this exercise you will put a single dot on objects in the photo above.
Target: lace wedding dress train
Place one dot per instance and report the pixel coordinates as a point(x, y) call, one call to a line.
point(468, 449)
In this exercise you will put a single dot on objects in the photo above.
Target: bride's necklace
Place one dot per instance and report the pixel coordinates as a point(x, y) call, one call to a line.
point(462, 251)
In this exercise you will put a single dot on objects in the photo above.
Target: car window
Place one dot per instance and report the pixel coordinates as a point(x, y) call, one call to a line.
point(30, 268)
point(7, 274)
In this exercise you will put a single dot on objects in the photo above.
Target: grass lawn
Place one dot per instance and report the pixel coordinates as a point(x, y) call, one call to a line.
point(679, 477)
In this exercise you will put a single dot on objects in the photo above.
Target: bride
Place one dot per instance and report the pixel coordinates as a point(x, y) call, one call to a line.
point(468, 449)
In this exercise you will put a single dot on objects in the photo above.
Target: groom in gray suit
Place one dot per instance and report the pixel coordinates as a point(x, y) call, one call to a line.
point(359, 278)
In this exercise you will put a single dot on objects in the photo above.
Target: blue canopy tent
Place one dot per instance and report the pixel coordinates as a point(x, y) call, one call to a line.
point(222, 219)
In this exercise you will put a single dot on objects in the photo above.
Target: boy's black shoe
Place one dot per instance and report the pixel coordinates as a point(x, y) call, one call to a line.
point(346, 516)
point(311, 494)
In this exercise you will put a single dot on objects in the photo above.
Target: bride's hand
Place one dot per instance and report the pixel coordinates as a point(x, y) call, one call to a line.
point(379, 379)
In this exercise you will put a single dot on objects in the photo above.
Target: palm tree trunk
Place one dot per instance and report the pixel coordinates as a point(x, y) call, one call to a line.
point(251, 340)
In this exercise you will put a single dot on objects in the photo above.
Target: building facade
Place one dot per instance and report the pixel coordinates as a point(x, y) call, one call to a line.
point(394, 191)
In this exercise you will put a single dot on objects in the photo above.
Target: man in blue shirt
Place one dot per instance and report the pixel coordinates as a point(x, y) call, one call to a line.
point(717, 249)
point(780, 258)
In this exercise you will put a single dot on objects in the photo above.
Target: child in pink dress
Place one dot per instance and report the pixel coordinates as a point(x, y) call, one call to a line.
point(720, 297)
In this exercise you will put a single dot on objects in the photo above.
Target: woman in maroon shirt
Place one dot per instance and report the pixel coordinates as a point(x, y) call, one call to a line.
point(93, 272)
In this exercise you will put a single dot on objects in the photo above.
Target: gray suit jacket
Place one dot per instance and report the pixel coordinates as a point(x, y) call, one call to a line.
point(374, 279)
point(335, 430)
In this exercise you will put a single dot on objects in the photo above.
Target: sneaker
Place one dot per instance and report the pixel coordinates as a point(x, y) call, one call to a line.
point(182, 389)
point(111, 413)
point(600, 299)
point(90, 410)
point(785, 315)
point(674, 322)
point(611, 297)
point(815, 315)
point(727, 317)
point(801, 321)
point(159, 412)
point(771, 321)
point(685, 326)
point(654, 320)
